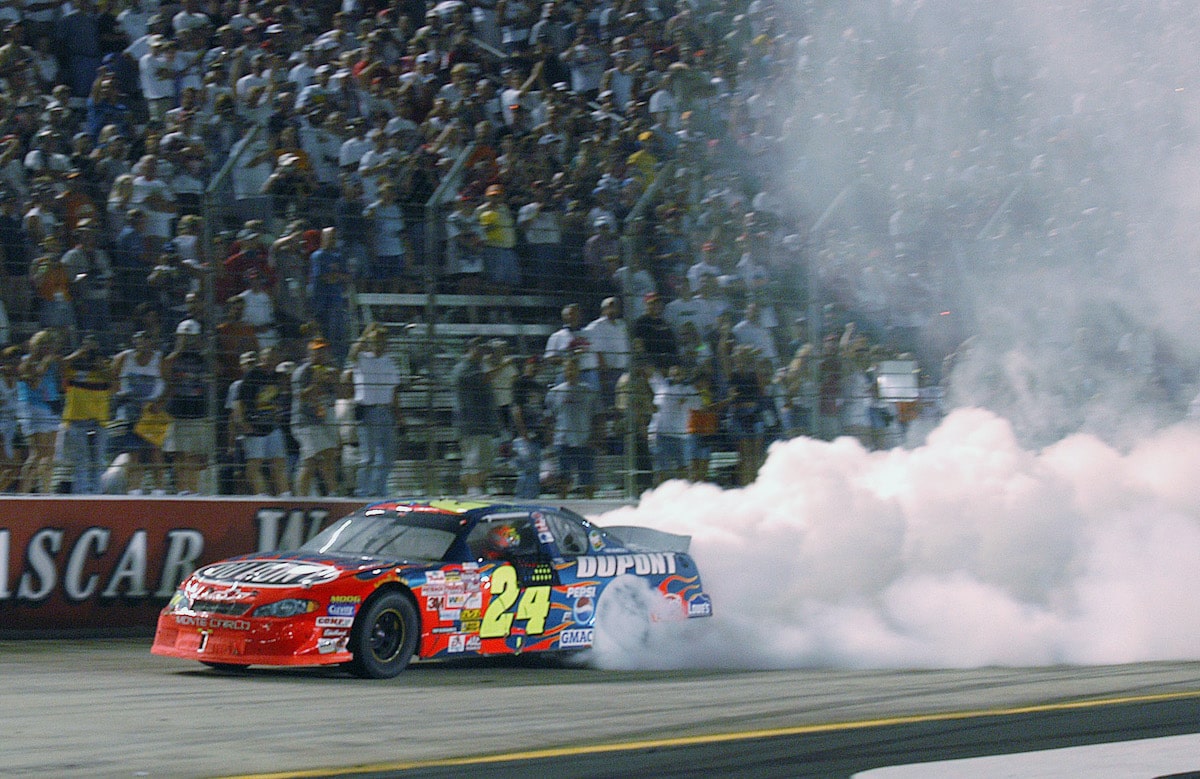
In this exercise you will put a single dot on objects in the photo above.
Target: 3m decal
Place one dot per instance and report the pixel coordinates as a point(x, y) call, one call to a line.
point(609, 566)
point(533, 607)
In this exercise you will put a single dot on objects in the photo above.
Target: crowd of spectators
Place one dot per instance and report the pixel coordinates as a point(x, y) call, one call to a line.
point(657, 166)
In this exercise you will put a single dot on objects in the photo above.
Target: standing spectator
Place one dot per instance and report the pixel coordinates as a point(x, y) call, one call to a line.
point(154, 197)
point(670, 442)
point(634, 283)
point(352, 232)
point(746, 424)
point(79, 37)
point(10, 465)
point(540, 224)
point(602, 245)
point(259, 309)
point(91, 276)
point(88, 380)
point(14, 245)
point(328, 280)
point(39, 409)
point(190, 438)
point(750, 332)
point(249, 177)
point(159, 69)
point(570, 342)
point(502, 371)
point(652, 336)
point(499, 240)
point(256, 416)
point(251, 253)
point(574, 405)
point(390, 260)
point(464, 247)
point(314, 392)
point(378, 410)
point(235, 337)
point(610, 342)
point(857, 394)
point(140, 386)
point(829, 390)
point(529, 418)
point(52, 283)
point(475, 417)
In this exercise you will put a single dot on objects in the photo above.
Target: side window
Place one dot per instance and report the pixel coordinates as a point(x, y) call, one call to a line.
point(571, 536)
point(504, 536)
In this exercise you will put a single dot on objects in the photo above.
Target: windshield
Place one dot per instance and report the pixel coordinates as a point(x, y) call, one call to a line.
point(406, 536)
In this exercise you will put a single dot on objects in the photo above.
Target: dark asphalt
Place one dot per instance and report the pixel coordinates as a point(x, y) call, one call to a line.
point(841, 753)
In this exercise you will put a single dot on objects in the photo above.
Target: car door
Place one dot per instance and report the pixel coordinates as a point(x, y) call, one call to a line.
point(517, 614)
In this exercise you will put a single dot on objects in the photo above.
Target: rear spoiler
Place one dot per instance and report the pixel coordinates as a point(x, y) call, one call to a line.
point(650, 540)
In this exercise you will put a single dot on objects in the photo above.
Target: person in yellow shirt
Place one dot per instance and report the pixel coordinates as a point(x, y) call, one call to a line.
point(83, 436)
point(499, 240)
point(642, 163)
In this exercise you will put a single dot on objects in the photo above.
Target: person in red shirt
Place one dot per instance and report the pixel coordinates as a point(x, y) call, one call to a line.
point(249, 252)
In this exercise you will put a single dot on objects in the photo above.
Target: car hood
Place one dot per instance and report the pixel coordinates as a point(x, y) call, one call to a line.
point(295, 569)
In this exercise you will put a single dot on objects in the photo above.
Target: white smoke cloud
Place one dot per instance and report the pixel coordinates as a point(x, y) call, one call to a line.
point(967, 551)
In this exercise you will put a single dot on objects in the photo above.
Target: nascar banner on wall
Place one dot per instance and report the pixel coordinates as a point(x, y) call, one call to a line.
point(97, 565)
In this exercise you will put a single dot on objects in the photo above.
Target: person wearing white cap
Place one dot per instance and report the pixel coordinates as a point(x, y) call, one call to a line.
point(190, 437)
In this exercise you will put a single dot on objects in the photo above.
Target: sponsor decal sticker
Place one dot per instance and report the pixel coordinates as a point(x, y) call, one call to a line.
point(268, 573)
point(327, 646)
point(575, 638)
point(458, 643)
point(611, 566)
point(584, 610)
point(212, 622)
point(596, 540)
point(334, 622)
point(701, 606)
point(343, 605)
point(582, 591)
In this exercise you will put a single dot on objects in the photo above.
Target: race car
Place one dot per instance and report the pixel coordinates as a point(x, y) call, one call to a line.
point(440, 579)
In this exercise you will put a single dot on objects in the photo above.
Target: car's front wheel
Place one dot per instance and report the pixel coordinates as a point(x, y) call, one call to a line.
point(384, 637)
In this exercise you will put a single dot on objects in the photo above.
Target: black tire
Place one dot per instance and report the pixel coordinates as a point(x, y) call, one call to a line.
point(384, 637)
point(623, 615)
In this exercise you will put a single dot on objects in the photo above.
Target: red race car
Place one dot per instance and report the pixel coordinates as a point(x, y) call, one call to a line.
point(432, 580)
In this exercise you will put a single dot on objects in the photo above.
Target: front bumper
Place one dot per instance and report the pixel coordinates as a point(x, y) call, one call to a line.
point(211, 638)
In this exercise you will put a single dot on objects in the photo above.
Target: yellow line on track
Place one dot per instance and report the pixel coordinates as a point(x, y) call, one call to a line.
point(717, 738)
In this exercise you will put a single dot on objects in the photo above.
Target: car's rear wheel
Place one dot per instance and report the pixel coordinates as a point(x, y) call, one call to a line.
point(384, 637)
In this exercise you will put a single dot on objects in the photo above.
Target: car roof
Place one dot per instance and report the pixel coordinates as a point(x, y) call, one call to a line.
point(460, 507)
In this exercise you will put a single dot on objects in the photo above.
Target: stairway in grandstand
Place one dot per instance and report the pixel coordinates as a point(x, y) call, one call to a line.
point(428, 352)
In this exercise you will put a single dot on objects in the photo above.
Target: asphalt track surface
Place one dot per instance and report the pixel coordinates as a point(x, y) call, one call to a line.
point(110, 709)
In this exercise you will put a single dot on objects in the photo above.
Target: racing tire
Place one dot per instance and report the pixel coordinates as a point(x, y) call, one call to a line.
point(624, 615)
point(384, 637)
